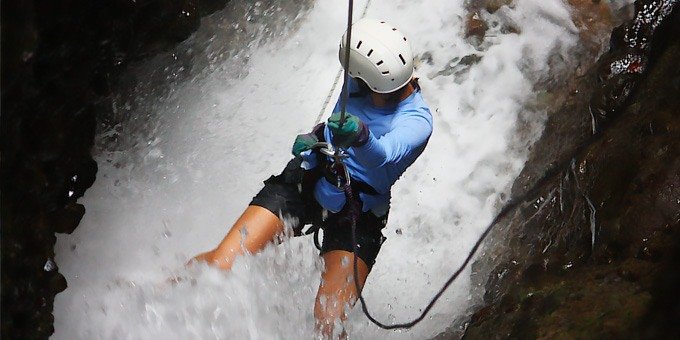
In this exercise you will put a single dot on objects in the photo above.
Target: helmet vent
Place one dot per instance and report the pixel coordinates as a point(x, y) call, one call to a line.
point(380, 62)
point(369, 53)
point(402, 59)
point(359, 44)
point(404, 38)
point(386, 72)
point(394, 29)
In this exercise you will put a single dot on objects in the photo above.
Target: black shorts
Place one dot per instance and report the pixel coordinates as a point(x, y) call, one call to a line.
point(290, 195)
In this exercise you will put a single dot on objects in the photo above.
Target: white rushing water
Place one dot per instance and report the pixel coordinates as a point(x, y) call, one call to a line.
point(192, 151)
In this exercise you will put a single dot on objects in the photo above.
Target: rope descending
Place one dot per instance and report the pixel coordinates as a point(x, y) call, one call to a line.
point(354, 209)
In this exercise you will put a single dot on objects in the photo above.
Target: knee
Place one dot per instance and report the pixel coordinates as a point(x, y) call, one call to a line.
point(207, 257)
point(212, 258)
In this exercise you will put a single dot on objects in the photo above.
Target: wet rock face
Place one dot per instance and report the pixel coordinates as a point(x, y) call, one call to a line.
point(59, 61)
point(592, 251)
point(622, 67)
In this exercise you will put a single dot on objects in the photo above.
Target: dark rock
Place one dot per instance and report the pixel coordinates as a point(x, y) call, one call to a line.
point(606, 210)
point(490, 6)
point(59, 60)
point(58, 283)
point(66, 220)
point(475, 27)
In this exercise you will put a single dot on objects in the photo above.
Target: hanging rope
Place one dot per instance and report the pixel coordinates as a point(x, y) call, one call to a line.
point(354, 209)
point(327, 101)
point(511, 205)
point(452, 278)
point(345, 85)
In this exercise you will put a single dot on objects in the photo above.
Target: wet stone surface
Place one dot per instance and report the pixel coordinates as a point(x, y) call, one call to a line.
point(591, 252)
point(59, 61)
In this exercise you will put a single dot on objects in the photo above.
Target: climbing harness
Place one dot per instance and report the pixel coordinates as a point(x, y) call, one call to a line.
point(335, 173)
point(338, 155)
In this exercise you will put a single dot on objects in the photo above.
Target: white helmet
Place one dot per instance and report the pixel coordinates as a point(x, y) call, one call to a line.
point(379, 54)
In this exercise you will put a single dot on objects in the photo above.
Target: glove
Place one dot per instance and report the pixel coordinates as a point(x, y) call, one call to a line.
point(352, 133)
point(303, 143)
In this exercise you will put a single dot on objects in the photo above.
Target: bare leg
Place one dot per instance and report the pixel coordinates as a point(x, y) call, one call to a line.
point(337, 288)
point(256, 228)
point(261, 227)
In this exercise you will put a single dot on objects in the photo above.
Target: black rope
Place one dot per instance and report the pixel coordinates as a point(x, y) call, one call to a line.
point(354, 209)
point(441, 291)
point(338, 75)
point(512, 204)
point(345, 85)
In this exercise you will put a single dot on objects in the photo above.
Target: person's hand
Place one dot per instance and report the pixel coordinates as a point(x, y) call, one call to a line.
point(303, 143)
point(352, 133)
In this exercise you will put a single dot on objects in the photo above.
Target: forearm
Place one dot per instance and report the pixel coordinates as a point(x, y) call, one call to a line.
point(371, 154)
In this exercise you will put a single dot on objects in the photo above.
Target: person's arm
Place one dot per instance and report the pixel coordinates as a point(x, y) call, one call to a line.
point(409, 134)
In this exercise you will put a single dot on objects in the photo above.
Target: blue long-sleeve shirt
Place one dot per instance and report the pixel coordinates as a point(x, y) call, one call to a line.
point(397, 136)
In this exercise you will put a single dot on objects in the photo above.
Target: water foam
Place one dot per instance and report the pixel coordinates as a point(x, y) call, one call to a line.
point(191, 152)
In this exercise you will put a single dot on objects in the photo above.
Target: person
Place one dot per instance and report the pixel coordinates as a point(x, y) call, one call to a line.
point(387, 126)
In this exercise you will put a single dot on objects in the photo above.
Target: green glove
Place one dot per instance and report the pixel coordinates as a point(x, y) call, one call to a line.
point(352, 133)
point(303, 143)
